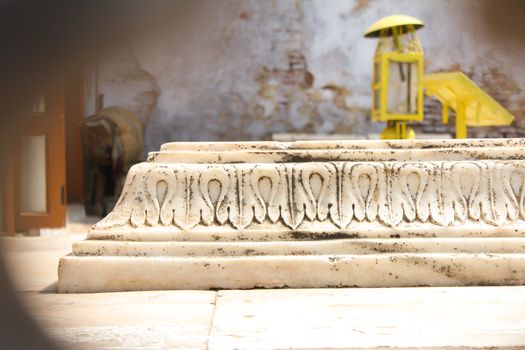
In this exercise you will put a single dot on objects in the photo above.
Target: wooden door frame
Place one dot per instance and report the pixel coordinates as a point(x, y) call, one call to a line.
point(13, 219)
point(71, 110)
point(55, 166)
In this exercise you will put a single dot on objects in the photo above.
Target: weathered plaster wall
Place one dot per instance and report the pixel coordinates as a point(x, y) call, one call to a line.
point(244, 69)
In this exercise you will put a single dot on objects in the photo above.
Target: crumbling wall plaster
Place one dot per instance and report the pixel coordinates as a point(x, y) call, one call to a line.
point(247, 69)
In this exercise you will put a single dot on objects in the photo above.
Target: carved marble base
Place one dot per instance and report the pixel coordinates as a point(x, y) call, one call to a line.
point(311, 214)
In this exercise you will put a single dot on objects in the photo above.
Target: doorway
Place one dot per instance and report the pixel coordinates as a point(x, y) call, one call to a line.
point(44, 162)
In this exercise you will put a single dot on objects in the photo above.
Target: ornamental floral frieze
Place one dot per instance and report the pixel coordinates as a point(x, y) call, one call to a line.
point(442, 193)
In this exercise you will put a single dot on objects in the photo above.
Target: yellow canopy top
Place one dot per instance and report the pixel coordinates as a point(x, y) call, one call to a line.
point(390, 22)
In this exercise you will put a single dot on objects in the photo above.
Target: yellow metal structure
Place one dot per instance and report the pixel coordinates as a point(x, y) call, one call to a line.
point(398, 71)
point(398, 130)
point(473, 106)
point(398, 83)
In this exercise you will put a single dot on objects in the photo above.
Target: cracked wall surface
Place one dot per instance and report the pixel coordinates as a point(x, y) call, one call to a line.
point(242, 70)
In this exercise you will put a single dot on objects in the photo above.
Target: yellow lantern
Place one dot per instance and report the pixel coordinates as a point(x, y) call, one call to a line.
point(398, 72)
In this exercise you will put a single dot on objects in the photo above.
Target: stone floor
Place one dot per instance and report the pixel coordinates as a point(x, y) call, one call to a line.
point(474, 317)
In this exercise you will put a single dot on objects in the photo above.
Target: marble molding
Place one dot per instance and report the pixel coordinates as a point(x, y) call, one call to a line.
point(311, 214)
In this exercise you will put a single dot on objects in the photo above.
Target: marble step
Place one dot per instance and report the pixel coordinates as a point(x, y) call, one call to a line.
point(227, 146)
point(307, 231)
point(84, 274)
point(307, 151)
point(337, 246)
point(323, 155)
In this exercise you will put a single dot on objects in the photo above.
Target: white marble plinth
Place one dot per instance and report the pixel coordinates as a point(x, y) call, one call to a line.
point(311, 214)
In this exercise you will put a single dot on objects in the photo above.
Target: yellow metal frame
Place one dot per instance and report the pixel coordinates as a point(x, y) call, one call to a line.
point(409, 52)
point(384, 59)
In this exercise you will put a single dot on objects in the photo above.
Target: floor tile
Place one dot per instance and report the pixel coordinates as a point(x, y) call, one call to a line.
point(354, 318)
point(139, 320)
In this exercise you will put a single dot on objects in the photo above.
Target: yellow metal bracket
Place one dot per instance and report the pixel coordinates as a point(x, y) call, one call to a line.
point(473, 106)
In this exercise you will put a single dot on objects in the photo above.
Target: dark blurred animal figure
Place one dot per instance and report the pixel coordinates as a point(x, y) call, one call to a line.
point(113, 141)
